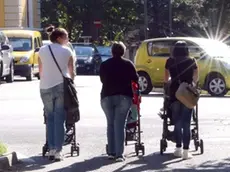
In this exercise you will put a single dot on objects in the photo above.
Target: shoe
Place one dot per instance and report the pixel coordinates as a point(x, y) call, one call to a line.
point(178, 152)
point(186, 154)
point(111, 157)
point(51, 154)
point(58, 156)
point(120, 159)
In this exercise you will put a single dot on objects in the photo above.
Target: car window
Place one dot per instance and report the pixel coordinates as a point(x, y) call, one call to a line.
point(39, 41)
point(84, 51)
point(36, 43)
point(1, 38)
point(160, 48)
point(193, 48)
point(104, 51)
point(21, 44)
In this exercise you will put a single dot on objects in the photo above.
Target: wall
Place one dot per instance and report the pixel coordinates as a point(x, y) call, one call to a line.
point(20, 13)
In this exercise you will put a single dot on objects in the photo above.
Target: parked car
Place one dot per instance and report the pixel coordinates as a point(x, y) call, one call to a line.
point(105, 52)
point(26, 44)
point(88, 58)
point(213, 58)
point(6, 59)
point(46, 42)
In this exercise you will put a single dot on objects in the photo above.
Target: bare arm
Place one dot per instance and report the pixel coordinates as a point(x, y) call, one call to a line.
point(39, 66)
point(167, 75)
point(195, 76)
point(71, 67)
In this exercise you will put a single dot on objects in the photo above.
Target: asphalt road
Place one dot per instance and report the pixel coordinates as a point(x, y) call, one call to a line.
point(22, 129)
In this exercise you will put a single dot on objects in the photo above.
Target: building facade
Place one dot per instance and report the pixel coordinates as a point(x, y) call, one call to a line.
point(20, 13)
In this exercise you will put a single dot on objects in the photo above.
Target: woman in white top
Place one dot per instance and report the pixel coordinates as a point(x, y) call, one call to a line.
point(51, 87)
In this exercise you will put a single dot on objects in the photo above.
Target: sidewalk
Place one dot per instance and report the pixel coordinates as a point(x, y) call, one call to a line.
point(7, 161)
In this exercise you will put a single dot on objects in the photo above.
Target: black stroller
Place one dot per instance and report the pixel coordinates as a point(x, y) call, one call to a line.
point(166, 115)
point(133, 125)
point(70, 138)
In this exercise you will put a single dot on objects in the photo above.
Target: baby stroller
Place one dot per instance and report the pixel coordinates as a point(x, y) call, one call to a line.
point(70, 138)
point(133, 125)
point(166, 115)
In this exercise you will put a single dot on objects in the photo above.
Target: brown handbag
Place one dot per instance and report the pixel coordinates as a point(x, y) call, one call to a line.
point(187, 94)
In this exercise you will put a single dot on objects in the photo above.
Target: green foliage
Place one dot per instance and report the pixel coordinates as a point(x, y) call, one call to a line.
point(3, 149)
point(118, 17)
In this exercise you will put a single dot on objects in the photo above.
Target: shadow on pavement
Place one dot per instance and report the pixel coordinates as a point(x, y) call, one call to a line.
point(152, 162)
point(87, 165)
point(202, 96)
point(34, 163)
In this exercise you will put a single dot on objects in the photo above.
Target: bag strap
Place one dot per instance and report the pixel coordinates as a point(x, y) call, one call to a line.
point(55, 61)
point(178, 74)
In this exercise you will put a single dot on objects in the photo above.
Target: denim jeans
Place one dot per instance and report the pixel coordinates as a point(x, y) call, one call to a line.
point(116, 110)
point(182, 121)
point(53, 100)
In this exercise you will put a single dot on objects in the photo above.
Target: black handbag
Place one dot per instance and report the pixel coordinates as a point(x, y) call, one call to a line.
point(71, 103)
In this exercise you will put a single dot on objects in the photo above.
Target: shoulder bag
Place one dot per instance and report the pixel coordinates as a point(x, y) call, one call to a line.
point(187, 94)
point(71, 103)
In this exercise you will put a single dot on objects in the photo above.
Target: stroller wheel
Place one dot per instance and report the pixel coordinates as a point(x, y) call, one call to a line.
point(201, 146)
point(196, 144)
point(75, 148)
point(106, 149)
point(44, 150)
point(137, 149)
point(163, 146)
point(143, 149)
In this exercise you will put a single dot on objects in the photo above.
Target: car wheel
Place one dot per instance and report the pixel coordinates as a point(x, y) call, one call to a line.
point(216, 85)
point(30, 76)
point(10, 77)
point(145, 83)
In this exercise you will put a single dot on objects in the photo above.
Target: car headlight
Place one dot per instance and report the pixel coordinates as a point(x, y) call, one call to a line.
point(89, 60)
point(24, 59)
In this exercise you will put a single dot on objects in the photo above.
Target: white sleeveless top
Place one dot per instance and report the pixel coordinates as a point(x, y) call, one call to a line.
point(50, 75)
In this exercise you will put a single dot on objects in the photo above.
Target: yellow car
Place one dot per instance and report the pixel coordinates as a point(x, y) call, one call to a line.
point(26, 44)
point(213, 58)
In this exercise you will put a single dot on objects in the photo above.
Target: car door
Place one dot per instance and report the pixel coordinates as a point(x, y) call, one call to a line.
point(160, 52)
point(6, 55)
point(196, 52)
point(35, 61)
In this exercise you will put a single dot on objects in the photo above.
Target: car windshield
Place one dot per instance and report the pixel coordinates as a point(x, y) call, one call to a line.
point(104, 51)
point(83, 50)
point(21, 44)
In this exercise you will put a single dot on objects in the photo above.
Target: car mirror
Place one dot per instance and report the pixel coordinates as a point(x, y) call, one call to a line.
point(37, 49)
point(5, 47)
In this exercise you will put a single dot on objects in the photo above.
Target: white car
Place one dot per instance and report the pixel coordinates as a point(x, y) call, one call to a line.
point(6, 59)
point(46, 42)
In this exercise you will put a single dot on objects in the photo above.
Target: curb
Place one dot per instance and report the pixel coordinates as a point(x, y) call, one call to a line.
point(8, 160)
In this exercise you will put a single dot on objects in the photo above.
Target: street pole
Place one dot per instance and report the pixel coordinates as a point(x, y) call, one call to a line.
point(170, 17)
point(146, 18)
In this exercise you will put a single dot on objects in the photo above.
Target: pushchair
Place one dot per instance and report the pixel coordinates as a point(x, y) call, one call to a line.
point(133, 124)
point(168, 135)
point(70, 138)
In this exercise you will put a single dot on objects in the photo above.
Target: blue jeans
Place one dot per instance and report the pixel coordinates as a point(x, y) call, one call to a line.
point(116, 110)
point(53, 100)
point(182, 121)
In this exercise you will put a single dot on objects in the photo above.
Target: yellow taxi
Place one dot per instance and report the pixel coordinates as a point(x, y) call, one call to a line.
point(213, 58)
point(26, 44)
